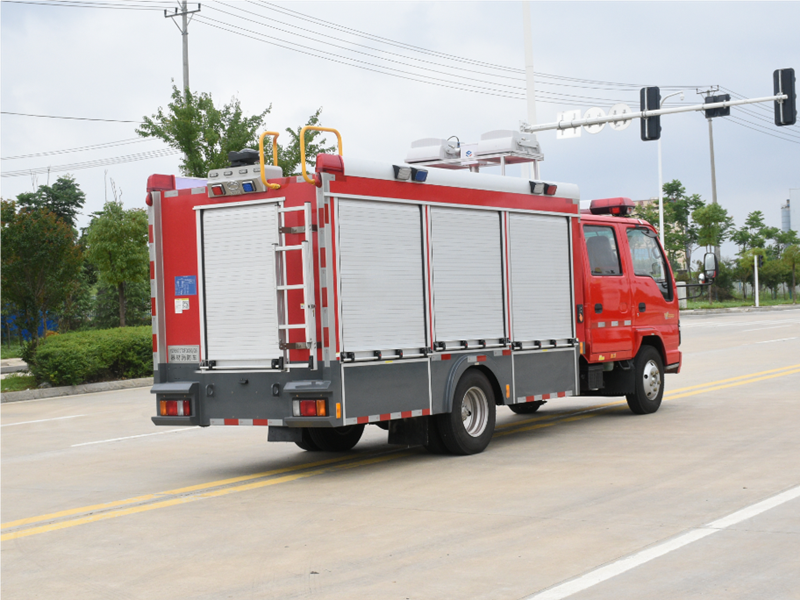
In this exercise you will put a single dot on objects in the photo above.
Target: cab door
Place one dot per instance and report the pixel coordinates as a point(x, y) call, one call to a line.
point(608, 301)
point(653, 295)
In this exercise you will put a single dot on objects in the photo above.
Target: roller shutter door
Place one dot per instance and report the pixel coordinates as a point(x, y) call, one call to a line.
point(239, 284)
point(467, 275)
point(540, 278)
point(382, 297)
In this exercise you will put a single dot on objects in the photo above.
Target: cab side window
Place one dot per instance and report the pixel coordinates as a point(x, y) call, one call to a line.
point(648, 260)
point(601, 246)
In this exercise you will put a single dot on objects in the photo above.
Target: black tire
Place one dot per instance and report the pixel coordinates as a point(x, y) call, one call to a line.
point(648, 381)
point(435, 444)
point(307, 443)
point(337, 439)
point(525, 408)
point(468, 428)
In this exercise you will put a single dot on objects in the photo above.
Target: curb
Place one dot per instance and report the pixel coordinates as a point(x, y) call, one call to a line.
point(739, 309)
point(71, 390)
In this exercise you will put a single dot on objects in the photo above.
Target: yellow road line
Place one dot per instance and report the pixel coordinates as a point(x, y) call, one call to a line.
point(730, 385)
point(692, 387)
point(184, 490)
point(186, 499)
point(508, 429)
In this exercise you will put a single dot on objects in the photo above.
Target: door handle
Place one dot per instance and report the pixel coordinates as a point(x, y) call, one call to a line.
point(598, 308)
point(642, 307)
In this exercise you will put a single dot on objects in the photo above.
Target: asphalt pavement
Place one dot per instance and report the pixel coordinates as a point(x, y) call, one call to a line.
point(582, 500)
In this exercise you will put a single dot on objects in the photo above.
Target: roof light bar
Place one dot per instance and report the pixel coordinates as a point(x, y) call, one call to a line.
point(540, 188)
point(404, 173)
point(612, 206)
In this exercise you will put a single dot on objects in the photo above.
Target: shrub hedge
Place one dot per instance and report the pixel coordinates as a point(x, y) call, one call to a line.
point(98, 355)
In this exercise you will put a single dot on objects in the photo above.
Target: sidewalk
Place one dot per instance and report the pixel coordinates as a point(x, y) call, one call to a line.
point(738, 309)
point(12, 365)
point(71, 390)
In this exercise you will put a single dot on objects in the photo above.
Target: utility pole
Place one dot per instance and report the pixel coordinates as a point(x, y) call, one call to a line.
point(707, 93)
point(184, 29)
point(529, 76)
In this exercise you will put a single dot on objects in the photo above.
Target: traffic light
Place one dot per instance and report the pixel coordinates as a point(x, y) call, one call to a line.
point(783, 82)
point(718, 112)
point(650, 99)
point(760, 261)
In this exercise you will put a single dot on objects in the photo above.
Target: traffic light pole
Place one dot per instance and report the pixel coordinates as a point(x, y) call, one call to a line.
point(644, 114)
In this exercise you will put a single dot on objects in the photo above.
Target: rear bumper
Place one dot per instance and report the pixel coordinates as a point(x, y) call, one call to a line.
point(177, 421)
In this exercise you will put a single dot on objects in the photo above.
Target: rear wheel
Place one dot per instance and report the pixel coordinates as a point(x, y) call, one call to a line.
point(336, 439)
point(307, 443)
point(648, 380)
point(468, 428)
point(525, 408)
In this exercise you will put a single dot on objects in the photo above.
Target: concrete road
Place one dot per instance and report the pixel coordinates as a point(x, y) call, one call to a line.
point(582, 500)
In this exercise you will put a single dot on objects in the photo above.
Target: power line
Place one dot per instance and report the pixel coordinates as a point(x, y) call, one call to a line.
point(5, 112)
point(81, 148)
point(93, 163)
point(736, 121)
point(80, 4)
point(552, 97)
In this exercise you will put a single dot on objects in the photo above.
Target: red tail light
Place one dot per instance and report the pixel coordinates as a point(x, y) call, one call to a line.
point(310, 408)
point(176, 408)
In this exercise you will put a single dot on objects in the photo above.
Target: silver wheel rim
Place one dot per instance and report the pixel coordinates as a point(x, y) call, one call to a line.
point(474, 411)
point(651, 378)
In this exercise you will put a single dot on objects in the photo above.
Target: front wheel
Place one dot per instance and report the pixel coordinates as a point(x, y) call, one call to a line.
point(649, 382)
point(336, 439)
point(468, 428)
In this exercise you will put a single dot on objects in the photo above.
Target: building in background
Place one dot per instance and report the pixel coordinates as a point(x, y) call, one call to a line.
point(793, 205)
point(786, 216)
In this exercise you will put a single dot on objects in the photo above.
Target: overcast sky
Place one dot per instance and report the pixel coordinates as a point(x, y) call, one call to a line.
point(413, 82)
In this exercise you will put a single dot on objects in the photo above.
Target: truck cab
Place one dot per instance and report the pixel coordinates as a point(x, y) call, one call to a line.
point(630, 308)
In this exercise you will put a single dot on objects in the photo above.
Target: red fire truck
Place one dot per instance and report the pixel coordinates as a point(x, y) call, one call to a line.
point(414, 299)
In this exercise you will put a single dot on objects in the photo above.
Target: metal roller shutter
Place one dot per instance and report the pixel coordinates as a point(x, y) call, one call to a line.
point(540, 278)
point(239, 284)
point(382, 298)
point(467, 275)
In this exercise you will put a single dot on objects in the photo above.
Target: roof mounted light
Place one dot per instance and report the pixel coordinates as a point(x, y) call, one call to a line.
point(621, 207)
point(406, 173)
point(540, 188)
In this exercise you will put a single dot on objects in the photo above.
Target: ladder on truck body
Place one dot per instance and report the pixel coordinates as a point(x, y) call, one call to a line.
point(307, 286)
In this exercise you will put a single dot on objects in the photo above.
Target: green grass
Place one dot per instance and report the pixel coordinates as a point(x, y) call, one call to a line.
point(17, 383)
point(764, 300)
point(14, 351)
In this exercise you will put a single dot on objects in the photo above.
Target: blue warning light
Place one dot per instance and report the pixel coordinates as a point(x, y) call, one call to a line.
point(248, 186)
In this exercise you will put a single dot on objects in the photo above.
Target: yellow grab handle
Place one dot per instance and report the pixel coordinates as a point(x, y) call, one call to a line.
point(303, 146)
point(272, 186)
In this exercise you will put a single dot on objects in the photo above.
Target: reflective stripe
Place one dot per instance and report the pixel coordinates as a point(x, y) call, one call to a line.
point(387, 417)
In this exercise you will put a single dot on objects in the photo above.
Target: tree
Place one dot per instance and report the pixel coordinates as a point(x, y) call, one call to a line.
point(680, 232)
point(713, 224)
point(41, 263)
point(116, 242)
point(64, 198)
point(205, 134)
point(791, 256)
point(754, 233)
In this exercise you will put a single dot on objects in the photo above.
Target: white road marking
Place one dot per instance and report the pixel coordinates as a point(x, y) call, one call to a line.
point(763, 328)
point(622, 565)
point(778, 340)
point(41, 420)
point(130, 437)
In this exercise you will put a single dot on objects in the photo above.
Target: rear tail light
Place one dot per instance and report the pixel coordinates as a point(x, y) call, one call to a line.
point(176, 408)
point(310, 408)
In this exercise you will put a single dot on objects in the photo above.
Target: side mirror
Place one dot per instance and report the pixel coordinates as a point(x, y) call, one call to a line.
point(701, 279)
point(710, 266)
